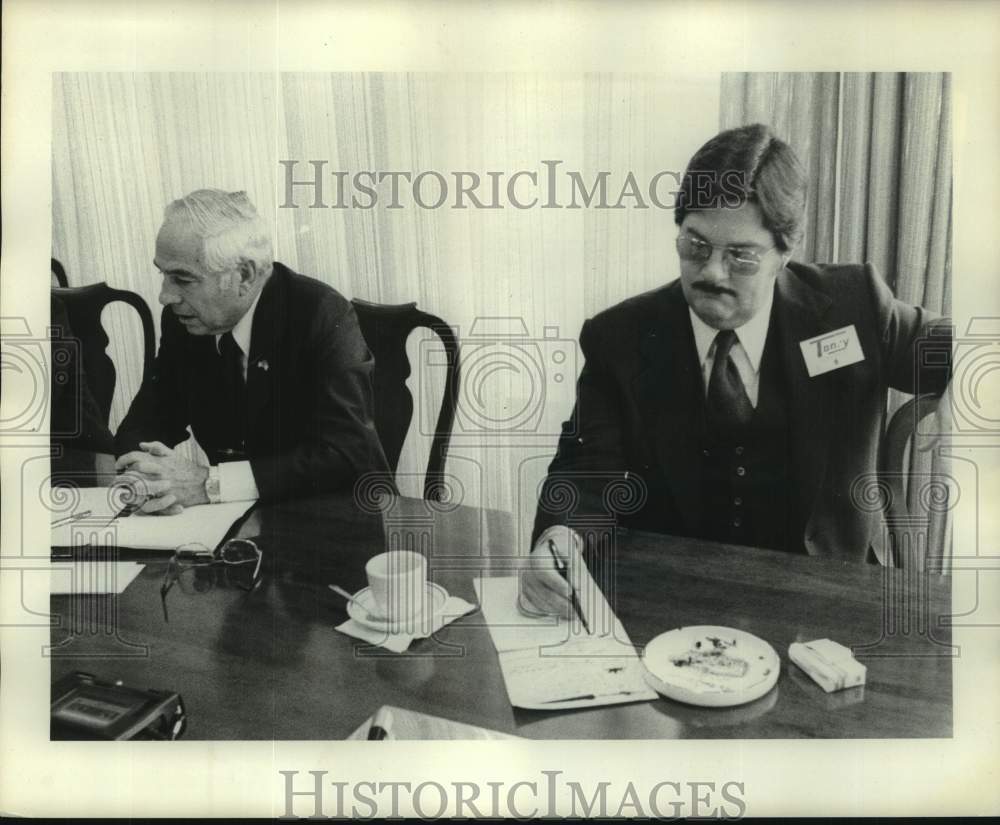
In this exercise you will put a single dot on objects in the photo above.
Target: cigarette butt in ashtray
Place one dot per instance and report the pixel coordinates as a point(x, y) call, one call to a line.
point(829, 664)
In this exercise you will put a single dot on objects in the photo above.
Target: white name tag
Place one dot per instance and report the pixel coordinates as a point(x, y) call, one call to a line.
point(832, 350)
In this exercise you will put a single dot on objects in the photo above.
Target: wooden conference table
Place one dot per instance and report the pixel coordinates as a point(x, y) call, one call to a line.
point(269, 664)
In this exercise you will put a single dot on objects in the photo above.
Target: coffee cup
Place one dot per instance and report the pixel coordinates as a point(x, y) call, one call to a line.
point(398, 582)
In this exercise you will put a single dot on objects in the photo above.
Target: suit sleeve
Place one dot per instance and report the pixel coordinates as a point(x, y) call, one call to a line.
point(590, 449)
point(916, 344)
point(158, 411)
point(338, 442)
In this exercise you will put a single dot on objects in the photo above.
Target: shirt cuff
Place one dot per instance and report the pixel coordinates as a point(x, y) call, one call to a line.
point(236, 482)
point(563, 535)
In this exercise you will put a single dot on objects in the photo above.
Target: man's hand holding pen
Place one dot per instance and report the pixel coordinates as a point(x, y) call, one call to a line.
point(558, 582)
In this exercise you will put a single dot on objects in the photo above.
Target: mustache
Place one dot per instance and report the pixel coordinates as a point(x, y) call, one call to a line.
point(712, 289)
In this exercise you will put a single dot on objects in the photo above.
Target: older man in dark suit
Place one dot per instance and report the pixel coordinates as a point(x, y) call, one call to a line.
point(267, 367)
point(742, 402)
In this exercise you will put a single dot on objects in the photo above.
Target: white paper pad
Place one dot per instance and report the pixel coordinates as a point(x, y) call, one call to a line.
point(453, 609)
point(203, 524)
point(548, 664)
point(510, 629)
point(88, 577)
point(98, 501)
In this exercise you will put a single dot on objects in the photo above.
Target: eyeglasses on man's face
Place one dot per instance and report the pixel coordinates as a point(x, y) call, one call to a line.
point(193, 568)
point(739, 260)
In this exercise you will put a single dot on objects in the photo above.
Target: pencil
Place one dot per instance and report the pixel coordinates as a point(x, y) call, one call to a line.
point(59, 522)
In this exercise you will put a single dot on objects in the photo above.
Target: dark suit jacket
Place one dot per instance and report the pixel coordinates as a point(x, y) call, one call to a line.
point(309, 392)
point(639, 406)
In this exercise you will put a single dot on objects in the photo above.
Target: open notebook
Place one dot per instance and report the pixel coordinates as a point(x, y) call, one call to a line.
point(552, 664)
point(96, 508)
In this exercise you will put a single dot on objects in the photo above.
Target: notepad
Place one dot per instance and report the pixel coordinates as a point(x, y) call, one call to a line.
point(203, 524)
point(547, 664)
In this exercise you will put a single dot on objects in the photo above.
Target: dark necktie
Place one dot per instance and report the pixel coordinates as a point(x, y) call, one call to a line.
point(233, 389)
point(729, 407)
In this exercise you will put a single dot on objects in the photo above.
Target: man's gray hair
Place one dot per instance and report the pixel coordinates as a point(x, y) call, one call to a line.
point(229, 225)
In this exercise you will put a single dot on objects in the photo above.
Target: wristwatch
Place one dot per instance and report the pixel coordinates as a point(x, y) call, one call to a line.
point(213, 485)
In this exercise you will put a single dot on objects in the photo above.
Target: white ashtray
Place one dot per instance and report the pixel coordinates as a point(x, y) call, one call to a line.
point(710, 666)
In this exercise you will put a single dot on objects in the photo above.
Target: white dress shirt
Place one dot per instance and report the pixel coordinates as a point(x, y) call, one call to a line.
point(746, 352)
point(236, 481)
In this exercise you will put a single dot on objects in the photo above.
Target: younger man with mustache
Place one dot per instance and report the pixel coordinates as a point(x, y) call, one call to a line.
point(700, 398)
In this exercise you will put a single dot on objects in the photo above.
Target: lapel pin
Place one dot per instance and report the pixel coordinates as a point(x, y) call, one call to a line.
point(262, 363)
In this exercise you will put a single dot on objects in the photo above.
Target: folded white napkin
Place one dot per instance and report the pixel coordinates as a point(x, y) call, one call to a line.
point(453, 609)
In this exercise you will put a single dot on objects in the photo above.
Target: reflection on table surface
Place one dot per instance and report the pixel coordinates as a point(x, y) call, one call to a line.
point(269, 664)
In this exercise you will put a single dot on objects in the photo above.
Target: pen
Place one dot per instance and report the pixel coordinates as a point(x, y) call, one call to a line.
point(589, 696)
point(59, 522)
point(381, 725)
point(561, 567)
point(130, 508)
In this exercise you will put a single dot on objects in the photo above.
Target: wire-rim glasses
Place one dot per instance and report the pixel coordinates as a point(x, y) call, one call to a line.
point(739, 260)
point(188, 566)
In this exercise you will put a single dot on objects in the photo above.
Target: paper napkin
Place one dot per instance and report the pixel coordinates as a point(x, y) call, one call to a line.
point(454, 608)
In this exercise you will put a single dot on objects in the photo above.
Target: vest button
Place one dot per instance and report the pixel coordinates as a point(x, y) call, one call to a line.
point(737, 501)
point(739, 451)
point(705, 453)
point(737, 522)
point(741, 471)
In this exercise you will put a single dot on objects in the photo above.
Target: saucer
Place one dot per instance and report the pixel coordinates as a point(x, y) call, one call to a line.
point(710, 666)
point(364, 612)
